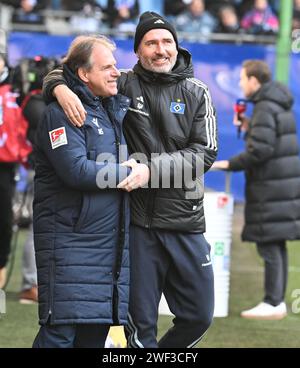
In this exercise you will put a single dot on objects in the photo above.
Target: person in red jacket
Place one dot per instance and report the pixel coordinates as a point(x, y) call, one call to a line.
point(12, 128)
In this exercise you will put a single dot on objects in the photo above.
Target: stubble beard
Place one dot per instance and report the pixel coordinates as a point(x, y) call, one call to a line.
point(158, 69)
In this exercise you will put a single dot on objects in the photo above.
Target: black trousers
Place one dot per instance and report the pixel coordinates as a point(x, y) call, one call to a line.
point(7, 186)
point(276, 270)
point(177, 264)
point(71, 336)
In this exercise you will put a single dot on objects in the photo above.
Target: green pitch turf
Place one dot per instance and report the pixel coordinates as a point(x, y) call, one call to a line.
point(19, 326)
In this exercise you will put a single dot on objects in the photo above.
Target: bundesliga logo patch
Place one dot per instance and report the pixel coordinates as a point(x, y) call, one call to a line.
point(177, 108)
point(58, 137)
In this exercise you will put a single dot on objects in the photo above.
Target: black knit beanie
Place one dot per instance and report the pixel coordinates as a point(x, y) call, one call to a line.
point(150, 20)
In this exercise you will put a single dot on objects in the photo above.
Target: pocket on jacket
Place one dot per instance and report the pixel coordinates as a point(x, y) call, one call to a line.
point(83, 212)
point(67, 208)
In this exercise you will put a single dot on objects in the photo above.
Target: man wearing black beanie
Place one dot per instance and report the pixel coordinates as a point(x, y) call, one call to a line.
point(150, 20)
point(171, 122)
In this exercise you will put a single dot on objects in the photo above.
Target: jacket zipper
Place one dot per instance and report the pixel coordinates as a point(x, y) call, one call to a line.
point(118, 261)
point(151, 197)
point(121, 237)
point(51, 286)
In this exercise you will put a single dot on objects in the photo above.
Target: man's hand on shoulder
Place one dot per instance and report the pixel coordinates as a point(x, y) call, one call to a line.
point(71, 104)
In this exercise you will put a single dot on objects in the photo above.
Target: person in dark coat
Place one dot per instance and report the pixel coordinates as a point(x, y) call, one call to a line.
point(272, 167)
point(80, 217)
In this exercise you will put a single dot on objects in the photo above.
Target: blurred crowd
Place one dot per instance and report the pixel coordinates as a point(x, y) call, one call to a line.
point(202, 16)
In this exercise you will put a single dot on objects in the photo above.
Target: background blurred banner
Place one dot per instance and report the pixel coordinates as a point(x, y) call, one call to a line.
point(217, 64)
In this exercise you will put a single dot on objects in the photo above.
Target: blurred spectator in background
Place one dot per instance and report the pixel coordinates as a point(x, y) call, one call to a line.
point(296, 15)
point(214, 6)
point(27, 11)
point(123, 14)
point(275, 5)
point(78, 5)
point(228, 20)
point(175, 7)
point(297, 7)
point(195, 19)
point(90, 16)
point(260, 19)
point(55, 4)
point(242, 7)
point(272, 167)
point(152, 5)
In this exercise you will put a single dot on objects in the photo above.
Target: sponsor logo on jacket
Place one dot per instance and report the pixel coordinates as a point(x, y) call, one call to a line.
point(58, 137)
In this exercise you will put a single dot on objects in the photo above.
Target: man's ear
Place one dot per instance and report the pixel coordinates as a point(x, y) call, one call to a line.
point(255, 82)
point(82, 74)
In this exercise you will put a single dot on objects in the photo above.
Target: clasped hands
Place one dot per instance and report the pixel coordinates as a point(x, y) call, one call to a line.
point(138, 177)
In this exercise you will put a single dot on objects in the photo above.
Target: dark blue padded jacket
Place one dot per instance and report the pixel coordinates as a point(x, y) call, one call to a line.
point(80, 219)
